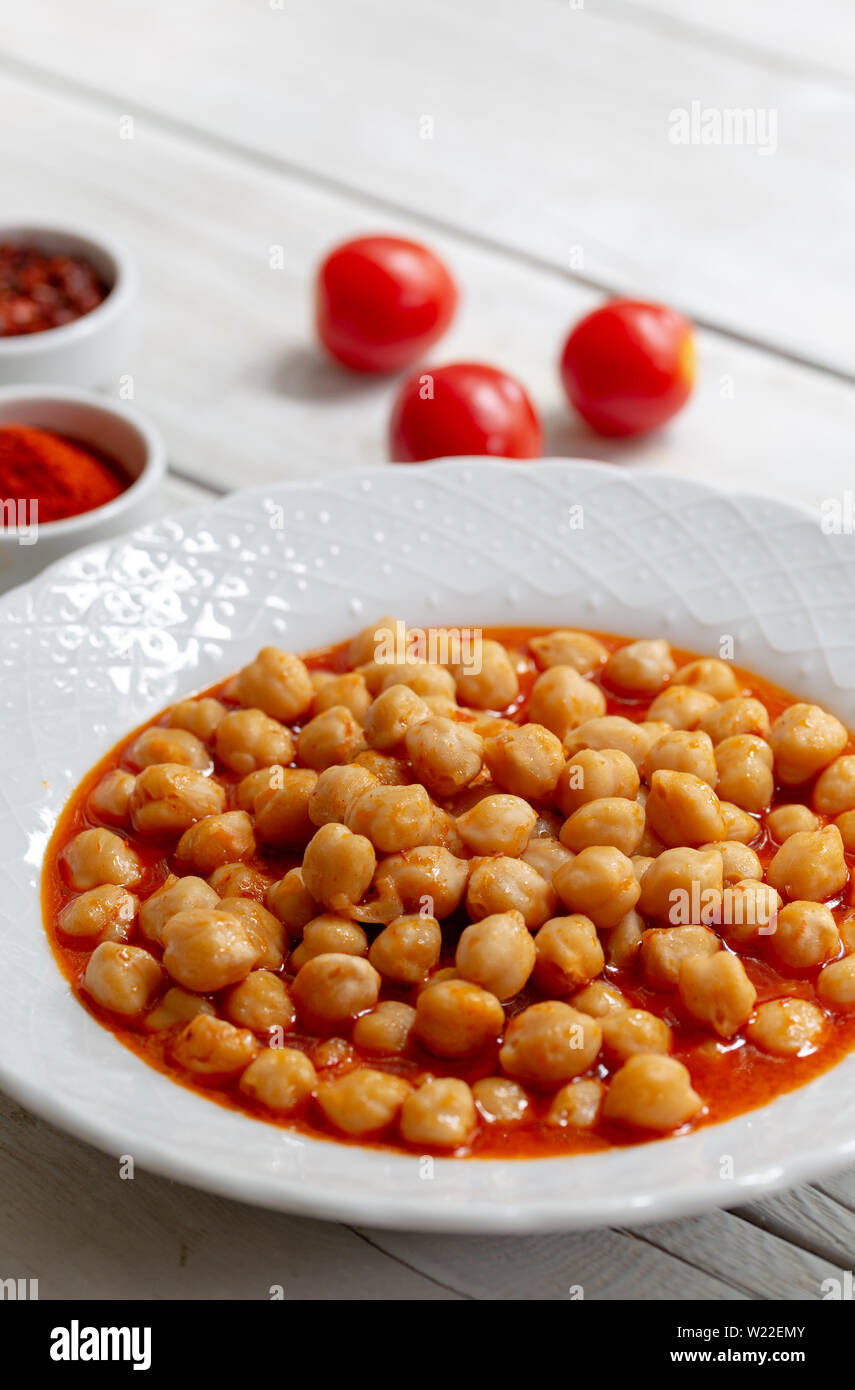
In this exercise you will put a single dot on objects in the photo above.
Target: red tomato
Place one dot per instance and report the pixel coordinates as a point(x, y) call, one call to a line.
point(628, 367)
point(381, 302)
point(465, 408)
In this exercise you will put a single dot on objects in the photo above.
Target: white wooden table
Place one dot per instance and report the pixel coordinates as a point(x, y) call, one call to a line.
point(547, 179)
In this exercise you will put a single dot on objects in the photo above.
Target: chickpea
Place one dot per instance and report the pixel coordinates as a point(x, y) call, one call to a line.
point(610, 731)
point(612, 820)
point(443, 832)
point(846, 825)
point(683, 810)
point(502, 884)
point(332, 737)
point(635, 1031)
point(426, 877)
point(336, 793)
point(106, 913)
point(525, 760)
point(175, 895)
point(264, 779)
point(683, 750)
point(623, 942)
point(177, 1006)
point(810, 864)
point(332, 989)
point(655, 728)
point(111, 799)
point(717, 992)
point(745, 771)
point(739, 825)
point(805, 739)
point(212, 1047)
point(425, 679)
point(391, 771)
point(594, 774)
point(500, 824)
point(835, 787)
point(640, 864)
point(546, 856)
point(332, 1053)
point(785, 821)
point(277, 683)
point(679, 875)
point(749, 910)
point(364, 646)
point(652, 1092)
point(96, 857)
point(364, 1101)
point(577, 1105)
point(663, 950)
point(239, 881)
point(737, 861)
point(395, 711)
point(568, 954)
point(282, 812)
point(564, 647)
point(267, 929)
point(561, 700)
point(600, 884)
point(408, 949)
point(200, 717)
point(328, 934)
point(640, 668)
point(736, 716)
point(439, 1115)
point(548, 1044)
point(806, 935)
point(348, 690)
point(123, 979)
point(260, 1002)
point(205, 950)
point(445, 755)
point(385, 1031)
point(217, 840)
point(280, 1078)
point(500, 1101)
point(455, 1018)
point(159, 745)
point(496, 953)
point(393, 818)
point(786, 1027)
point(248, 739)
point(338, 866)
point(494, 686)
point(681, 707)
point(599, 999)
point(835, 984)
point(290, 900)
point(711, 675)
point(168, 799)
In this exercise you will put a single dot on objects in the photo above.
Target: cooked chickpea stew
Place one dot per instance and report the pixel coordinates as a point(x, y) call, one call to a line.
point(596, 891)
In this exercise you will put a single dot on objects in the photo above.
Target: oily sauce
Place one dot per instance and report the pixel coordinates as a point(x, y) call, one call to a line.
point(732, 1076)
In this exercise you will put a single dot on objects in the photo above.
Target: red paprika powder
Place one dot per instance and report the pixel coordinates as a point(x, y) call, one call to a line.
point(64, 478)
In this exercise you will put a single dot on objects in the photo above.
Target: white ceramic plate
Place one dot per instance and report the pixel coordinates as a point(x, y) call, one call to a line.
point(110, 635)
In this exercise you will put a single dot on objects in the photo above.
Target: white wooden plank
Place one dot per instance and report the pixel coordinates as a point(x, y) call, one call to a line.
point(605, 1265)
point(550, 135)
point(812, 1217)
point(228, 367)
point(820, 34)
point(71, 1222)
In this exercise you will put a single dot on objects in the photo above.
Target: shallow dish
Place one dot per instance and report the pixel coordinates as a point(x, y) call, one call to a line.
point(114, 633)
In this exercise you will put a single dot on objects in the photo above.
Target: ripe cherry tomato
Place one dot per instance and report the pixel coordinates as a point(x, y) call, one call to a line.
point(381, 302)
point(628, 367)
point(465, 408)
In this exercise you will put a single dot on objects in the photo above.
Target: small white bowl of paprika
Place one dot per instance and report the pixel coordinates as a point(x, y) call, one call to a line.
point(67, 306)
point(74, 468)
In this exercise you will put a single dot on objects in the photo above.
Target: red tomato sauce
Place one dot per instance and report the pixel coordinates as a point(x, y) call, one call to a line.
point(732, 1077)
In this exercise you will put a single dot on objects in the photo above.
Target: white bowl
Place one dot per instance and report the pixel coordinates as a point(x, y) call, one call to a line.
point(88, 419)
point(97, 348)
point(112, 634)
